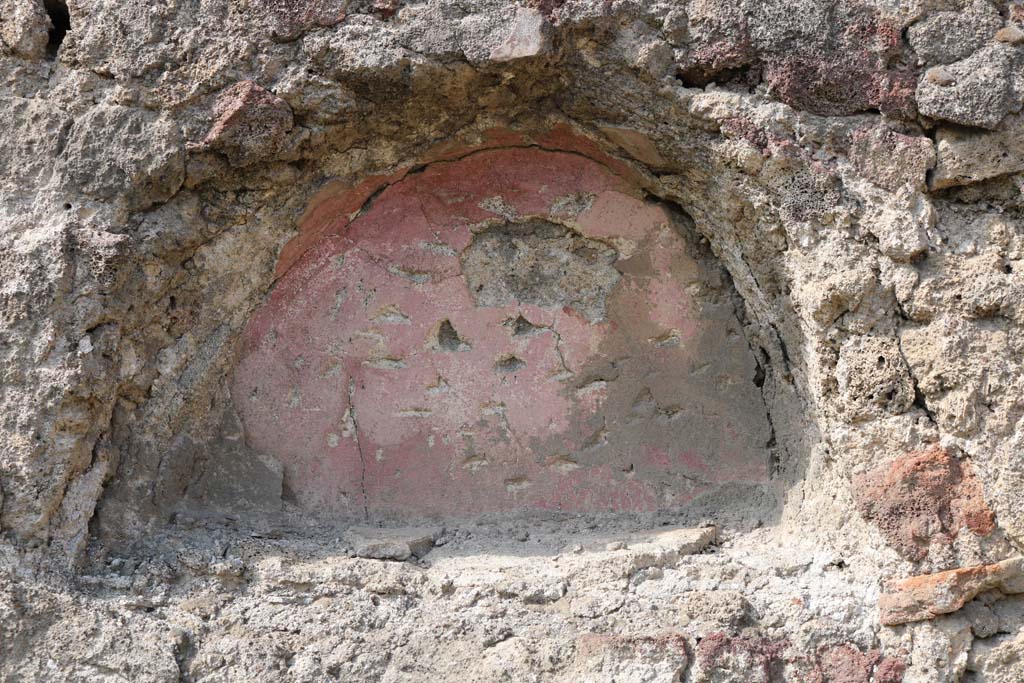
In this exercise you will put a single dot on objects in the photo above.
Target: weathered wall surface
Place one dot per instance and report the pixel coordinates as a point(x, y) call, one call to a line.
point(855, 168)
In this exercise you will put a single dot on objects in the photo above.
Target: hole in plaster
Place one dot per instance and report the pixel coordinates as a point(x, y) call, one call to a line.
point(508, 364)
point(60, 20)
point(521, 327)
point(540, 263)
point(448, 339)
point(759, 376)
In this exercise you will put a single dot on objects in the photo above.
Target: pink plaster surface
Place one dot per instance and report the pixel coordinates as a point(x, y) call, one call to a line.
point(331, 209)
point(342, 379)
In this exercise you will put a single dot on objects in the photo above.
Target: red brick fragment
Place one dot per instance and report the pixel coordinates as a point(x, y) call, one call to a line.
point(929, 595)
point(920, 498)
point(719, 656)
point(841, 87)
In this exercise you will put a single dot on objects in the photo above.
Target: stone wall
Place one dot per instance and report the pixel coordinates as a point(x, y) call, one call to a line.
point(841, 185)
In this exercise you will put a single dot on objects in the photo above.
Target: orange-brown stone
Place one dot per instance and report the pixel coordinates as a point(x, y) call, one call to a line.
point(927, 596)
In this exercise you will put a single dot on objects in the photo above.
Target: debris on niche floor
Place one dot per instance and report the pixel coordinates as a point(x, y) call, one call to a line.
point(414, 543)
point(392, 544)
point(626, 599)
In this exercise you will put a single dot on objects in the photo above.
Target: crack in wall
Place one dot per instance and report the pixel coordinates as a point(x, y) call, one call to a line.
point(415, 277)
point(354, 426)
point(919, 397)
point(558, 352)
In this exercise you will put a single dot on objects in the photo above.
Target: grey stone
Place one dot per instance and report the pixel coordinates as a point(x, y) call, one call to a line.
point(24, 27)
point(528, 37)
point(985, 89)
point(1010, 34)
point(143, 162)
point(946, 37)
point(398, 544)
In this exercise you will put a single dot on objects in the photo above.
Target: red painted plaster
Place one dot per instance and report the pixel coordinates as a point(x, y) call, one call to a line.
point(342, 379)
point(333, 207)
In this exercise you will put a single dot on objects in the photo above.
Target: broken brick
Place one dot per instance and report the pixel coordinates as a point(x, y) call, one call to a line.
point(929, 595)
point(920, 498)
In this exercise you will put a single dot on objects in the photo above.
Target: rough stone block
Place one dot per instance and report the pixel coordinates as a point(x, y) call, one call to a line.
point(528, 37)
point(251, 124)
point(604, 658)
point(719, 610)
point(966, 156)
point(753, 657)
point(890, 159)
point(144, 165)
point(998, 660)
point(979, 91)
point(286, 20)
point(686, 541)
point(945, 37)
point(873, 378)
point(391, 544)
point(24, 27)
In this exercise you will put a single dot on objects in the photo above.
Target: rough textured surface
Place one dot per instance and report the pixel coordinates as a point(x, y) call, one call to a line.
point(979, 90)
point(849, 169)
point(923, 498)
point(251, 124)
point(971, 156)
